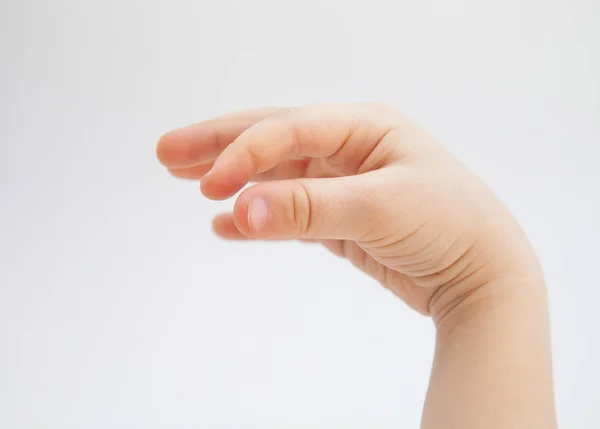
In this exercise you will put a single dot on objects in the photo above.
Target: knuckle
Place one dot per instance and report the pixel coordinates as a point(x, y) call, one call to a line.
point(302, 207)
point(295, 136)
point(287, 125)
point(254, 157)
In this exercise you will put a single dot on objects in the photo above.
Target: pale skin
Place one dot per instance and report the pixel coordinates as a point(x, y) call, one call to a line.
point(376, 189)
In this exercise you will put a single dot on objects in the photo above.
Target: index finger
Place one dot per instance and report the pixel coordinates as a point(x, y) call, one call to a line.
point(345, 135)
point(204, 141)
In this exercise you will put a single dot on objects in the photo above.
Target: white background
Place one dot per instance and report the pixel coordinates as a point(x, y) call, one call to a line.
point(119, 309)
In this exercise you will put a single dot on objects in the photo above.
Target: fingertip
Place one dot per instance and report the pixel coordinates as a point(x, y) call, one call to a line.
point(219, 221)
point(240, 212)
point(224, 226)
point(253, 212)
point(224, 180)
point(162, 149)
point(217, 189)
point(172, 150)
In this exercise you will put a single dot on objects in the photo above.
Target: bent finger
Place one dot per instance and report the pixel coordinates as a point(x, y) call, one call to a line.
point(204, 141)
point(347, 136)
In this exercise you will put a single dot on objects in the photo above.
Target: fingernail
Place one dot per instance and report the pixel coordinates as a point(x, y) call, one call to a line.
point(258, 214)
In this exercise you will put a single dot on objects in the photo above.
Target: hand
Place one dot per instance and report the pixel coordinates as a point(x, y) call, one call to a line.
point(375, 188)
point(366, 182)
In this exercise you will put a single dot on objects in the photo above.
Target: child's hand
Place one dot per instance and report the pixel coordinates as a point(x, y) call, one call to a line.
point(375, 188)
point(366, 182)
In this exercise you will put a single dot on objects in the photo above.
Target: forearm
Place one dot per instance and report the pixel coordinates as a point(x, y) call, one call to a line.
point(492, 366)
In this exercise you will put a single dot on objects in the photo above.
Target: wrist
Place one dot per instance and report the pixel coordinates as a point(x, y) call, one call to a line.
point(503, 268)
point(488, 290)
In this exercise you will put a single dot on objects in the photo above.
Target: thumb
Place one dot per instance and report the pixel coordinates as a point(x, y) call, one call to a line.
point(337, 208)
